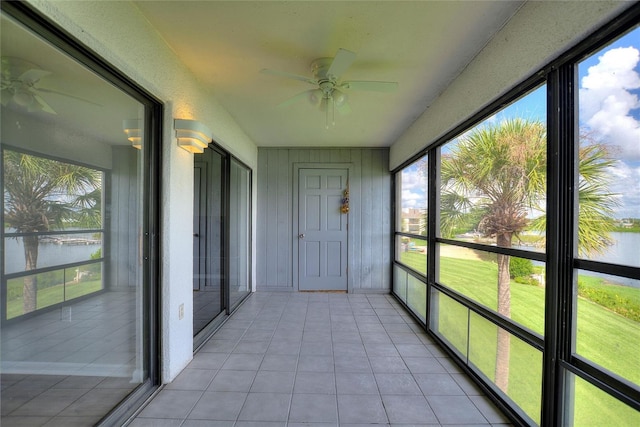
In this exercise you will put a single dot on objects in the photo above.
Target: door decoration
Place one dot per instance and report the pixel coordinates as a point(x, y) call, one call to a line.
point(345, 201)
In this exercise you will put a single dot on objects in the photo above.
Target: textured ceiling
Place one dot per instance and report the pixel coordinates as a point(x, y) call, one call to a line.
point(422, 45)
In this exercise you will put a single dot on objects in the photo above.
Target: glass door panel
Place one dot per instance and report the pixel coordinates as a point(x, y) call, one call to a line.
point(74, 293)
point(239, 232)
point(208, 238)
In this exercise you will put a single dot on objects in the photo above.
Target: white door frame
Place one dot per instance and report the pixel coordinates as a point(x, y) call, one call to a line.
point(294, 222)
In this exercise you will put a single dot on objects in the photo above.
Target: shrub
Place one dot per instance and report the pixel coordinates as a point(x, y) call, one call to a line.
point(520, 267)
point(526, 280)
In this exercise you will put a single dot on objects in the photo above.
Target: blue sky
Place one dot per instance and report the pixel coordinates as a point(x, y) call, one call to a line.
point(610, 107)
point(609, 103)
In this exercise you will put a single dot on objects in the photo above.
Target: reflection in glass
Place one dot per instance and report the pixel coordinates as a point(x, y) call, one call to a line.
point(587, 405)
point(74, 202)
point(608, 322)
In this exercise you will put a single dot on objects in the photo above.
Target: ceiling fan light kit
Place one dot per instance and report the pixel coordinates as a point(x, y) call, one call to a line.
point(18, 85)
point(326, 76)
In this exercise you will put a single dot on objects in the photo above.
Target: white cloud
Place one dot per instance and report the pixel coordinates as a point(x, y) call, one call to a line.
point(412, 199)
point(412, 178)
point(626, 184)
point(606, 101)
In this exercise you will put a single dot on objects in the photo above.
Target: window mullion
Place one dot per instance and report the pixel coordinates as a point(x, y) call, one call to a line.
point(561, 173)
point(433, 222)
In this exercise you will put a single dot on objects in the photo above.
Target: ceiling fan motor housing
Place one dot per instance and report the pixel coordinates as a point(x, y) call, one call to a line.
point(319, 68)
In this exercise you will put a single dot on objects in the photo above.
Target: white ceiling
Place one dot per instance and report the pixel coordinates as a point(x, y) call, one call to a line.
point(422, 45)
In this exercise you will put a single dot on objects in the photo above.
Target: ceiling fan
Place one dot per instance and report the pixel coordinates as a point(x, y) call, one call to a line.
point(18, 85)
point(329, 93)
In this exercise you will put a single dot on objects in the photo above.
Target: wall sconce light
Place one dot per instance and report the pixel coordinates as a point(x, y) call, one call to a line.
point(192, 135)
point(134, 134)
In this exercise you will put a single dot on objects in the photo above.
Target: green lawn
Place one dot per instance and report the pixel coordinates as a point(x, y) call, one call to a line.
point(415, 260)
point(50, 295)
point(603, 336)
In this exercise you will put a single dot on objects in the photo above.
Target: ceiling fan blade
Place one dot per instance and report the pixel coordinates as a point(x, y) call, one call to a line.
point(41, 104)
point(343, 60)
point(370, 86)
point(288, 75)
point(33, 75)
point(55, 92)
point(295, 98)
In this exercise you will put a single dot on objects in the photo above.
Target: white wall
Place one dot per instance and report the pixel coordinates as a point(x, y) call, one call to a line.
point(119, 33)
point(537, 34)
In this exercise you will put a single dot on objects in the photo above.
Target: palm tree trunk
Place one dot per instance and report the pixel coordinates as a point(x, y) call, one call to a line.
point(504, 308)
point(30, 283)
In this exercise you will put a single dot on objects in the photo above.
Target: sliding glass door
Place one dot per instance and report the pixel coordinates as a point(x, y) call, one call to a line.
point(239, 232)
point(208, 237)
point(221, 238)
point(76, 266)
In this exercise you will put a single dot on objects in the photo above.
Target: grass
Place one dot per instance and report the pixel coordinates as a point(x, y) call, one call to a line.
point(603, 335)
point(50, 295)
point(414, 260)
point(623, 300)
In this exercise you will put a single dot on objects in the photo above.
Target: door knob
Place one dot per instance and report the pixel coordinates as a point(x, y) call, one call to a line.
point(301, 236)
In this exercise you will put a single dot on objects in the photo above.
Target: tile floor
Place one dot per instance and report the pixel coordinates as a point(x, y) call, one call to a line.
point(315, 359)
point(69, 366)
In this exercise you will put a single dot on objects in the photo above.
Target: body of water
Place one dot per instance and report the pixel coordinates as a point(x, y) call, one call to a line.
point(73, 248)
point(625, 251)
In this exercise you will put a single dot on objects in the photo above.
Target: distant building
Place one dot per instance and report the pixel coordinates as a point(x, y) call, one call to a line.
point(414, 220)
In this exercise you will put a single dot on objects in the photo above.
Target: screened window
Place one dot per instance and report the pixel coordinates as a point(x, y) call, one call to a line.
point(411, 216)
point(492, 199)
point(535, 259)
point(411, 236)
point(606, 298)
point(492, 195)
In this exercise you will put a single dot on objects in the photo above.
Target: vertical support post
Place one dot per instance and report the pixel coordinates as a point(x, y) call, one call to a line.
point(561, 230)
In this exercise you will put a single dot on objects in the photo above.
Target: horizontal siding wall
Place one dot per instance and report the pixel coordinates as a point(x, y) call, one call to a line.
point(369, 216)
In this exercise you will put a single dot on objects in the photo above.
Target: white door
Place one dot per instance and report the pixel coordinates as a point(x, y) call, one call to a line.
point(322, 230)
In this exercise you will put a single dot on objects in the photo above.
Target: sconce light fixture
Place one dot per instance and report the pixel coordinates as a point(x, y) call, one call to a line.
point(192, 135)
point(134, 134)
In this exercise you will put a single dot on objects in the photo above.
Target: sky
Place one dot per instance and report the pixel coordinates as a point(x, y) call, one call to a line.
point(609, 107)
point(609, 95)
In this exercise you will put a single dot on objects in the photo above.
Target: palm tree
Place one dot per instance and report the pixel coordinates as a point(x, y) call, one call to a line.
point(500, 170)
point(42, 195)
